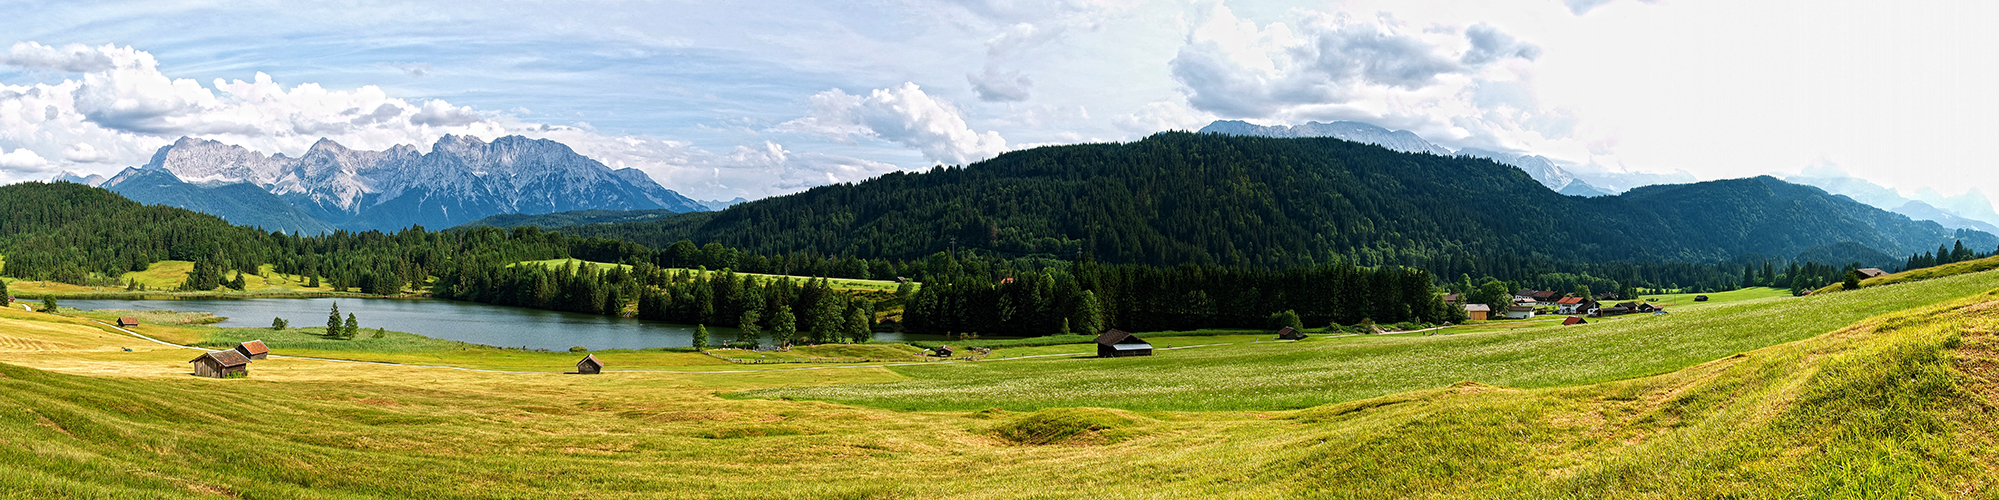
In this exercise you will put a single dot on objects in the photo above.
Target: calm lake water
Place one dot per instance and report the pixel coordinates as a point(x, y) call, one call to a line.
point(447, 319)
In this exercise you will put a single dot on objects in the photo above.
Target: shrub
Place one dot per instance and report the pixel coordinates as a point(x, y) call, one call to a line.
point(579, 349)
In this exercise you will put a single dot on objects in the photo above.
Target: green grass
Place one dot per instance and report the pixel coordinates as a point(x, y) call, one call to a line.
point(1895, 406)
point(1951, 269)
point(1687, 299)
point(1324, 371)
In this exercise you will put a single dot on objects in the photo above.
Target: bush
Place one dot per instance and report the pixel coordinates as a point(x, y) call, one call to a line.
point(579, 349)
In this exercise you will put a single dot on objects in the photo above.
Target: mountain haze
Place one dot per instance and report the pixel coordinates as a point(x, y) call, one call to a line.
point(1540, 168)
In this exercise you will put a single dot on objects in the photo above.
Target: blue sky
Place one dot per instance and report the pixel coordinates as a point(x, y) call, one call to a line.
point(725, 99)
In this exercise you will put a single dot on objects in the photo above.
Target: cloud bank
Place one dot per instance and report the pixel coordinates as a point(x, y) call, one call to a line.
point(904, 115)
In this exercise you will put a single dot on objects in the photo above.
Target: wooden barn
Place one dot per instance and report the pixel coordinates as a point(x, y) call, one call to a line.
point(253, 349)
point(1289, 333)
point(589, 365)
point(1118, 344)
point(1575, 320)
point(1478, 312)
point(221, 364)
point(128, 322)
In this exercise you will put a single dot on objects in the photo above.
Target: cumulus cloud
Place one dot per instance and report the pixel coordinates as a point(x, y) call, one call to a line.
point(903, 115)
point(72, 58)
point(1488, 46)
point(993, 85)
point(121, 108)
point(22, 160)
point(1237, 69)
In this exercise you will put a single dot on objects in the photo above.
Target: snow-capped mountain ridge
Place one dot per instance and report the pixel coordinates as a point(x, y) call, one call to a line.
point(461, 179)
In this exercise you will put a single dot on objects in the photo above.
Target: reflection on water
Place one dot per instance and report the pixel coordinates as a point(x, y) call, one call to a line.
point(452, 320)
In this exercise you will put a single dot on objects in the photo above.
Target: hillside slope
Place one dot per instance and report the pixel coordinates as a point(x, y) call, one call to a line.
point(1178, 198)
point(239, 203)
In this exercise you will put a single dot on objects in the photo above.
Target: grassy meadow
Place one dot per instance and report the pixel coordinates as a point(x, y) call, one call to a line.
point(1882, 392)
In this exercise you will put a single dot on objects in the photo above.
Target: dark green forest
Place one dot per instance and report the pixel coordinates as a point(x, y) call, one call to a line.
point(1204, 199)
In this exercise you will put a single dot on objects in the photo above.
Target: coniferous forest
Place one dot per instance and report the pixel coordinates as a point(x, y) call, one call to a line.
point(1336, 233)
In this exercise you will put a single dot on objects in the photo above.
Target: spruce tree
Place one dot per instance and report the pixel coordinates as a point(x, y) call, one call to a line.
point(857, 327)
point(6, 298)
point(700, 336)
point(333, 322)
point(748, 325)
point(350, 329)
point(49, 304)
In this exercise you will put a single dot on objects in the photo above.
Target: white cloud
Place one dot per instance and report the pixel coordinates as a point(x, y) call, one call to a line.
point(22, 161)
point(904, 115)
point(122, 108)
point(72, 58)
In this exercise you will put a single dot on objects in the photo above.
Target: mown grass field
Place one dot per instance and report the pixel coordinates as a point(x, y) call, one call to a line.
point(1951, 269)
point(161, 278)
point(1289, 376)
point(1687, 299)
point(1895, 402)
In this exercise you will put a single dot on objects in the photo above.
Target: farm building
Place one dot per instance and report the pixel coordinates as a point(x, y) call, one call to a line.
point(1700, 298)
point(1520, 312)
point(221, 364)
point(128, 322)
point(1478, 311)
point(253, 349)
point(1575, 320)
point(590, 365)
point(1872, 272)
point(1289, 333)
point(943, 351)
point(1118, 344)
point(1574, 305)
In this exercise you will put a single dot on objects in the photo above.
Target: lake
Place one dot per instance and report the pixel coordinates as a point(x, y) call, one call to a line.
point(446, 319)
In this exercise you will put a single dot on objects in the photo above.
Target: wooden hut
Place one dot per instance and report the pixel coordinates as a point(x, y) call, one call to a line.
point(1478, 312)
point(128, 322)
point(253, 349)
point(221, 364)
point(1289, 333)
point(942, 351)
point(1574, 320)
point(589, 365)
point(1118, 344)
point(1700, 298)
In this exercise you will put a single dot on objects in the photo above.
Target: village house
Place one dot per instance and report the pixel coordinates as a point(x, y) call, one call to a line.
point(589, 365)
point(1519, 312)
point(253, 349)
point(1574, 305)
point(1118, 344)
point(1478, 312)
point(221, 364)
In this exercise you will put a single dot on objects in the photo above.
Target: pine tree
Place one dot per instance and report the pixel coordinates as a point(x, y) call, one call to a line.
point(49, 304)
point(312, 282)
point(6, 298)
point(700, 336)
point(1087, 318)
point(350, 329)
point(333, 322)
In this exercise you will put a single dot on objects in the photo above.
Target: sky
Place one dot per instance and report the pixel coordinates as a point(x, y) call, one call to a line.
point(722, 99)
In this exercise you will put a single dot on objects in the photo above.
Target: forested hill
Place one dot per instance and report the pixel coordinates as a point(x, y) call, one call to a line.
point(1202, 198)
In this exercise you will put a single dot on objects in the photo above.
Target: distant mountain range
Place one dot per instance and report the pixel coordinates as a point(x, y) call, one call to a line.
point(1539, 167)
point(460, 180)
point(1177, 198)
point(1971, 210)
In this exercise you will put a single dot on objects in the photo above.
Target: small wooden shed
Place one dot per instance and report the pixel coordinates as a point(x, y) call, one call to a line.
point(1289, 333)
point(1118, 344)
point(1478, 312)
point(127, 322)
point(589, 365)
point(254, 349)
point(1700, 298)
point(1575, 320)
point(221, 364)
point(942, 351)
